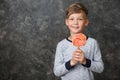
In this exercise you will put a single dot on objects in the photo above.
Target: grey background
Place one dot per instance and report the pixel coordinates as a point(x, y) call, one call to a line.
point(31, 29)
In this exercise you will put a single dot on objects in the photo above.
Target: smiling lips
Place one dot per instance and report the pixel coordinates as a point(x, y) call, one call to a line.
point(75, 26)
point(79, 40)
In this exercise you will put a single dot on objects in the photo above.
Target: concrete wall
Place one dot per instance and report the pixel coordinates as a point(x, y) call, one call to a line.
point(31, 29)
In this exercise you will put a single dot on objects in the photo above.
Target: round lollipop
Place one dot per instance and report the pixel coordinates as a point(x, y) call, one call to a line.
point(79, 40)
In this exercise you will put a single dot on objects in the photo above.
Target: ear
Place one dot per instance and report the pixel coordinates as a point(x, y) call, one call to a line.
point(86, 22)
point(66, 22)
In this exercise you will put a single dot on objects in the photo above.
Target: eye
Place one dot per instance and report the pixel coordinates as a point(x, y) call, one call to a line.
point(80, 19)
point(71, 19)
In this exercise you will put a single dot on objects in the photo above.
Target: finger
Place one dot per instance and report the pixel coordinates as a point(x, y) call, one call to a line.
point(77, 56)
point(78, 51)
point(76, 59)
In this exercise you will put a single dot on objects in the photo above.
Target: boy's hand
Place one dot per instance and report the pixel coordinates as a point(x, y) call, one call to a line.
point(73, 62)
point(78, 56)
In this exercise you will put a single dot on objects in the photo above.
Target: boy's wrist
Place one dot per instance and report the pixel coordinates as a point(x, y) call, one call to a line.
point(71, 63)
point(88, 63)
point(84, 61)
point(68, 65)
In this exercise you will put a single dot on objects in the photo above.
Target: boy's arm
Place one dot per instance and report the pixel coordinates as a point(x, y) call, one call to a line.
point(96, 62)
point(59, 64)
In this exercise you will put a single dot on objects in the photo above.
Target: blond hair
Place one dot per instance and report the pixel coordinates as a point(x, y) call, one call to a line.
point(76, 8)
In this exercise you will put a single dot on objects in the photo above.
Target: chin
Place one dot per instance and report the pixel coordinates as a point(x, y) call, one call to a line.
point(76, 32)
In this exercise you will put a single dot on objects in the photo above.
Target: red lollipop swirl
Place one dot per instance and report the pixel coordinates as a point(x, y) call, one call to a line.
point(79, 40)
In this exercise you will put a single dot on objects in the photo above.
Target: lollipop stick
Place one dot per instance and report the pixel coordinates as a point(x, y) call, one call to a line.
point(78, 47)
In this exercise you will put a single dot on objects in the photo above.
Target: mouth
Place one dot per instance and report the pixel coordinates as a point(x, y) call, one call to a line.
point(75, 27)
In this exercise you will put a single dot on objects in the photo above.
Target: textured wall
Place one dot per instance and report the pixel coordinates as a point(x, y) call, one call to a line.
point(31, 29)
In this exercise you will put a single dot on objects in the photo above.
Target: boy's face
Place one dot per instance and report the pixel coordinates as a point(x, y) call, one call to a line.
point(76, 22)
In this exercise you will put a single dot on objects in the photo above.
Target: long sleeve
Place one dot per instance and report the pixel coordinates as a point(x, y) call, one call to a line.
point(96, 62)
point(63, 55)
point(59, 64)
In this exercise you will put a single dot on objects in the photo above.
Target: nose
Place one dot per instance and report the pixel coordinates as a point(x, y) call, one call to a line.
point(75, 21)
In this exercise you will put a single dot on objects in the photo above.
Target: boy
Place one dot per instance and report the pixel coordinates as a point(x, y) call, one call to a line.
point(72, 63)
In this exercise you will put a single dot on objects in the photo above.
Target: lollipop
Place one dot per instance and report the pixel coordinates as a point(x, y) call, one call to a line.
point(79, 40)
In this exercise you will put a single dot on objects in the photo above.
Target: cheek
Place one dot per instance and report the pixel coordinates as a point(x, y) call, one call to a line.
point(82, 23)
point(68, 23)
point(68, 26)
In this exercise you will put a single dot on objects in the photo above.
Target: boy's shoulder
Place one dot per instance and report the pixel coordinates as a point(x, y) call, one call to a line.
point(92, 40)
point(63, 41)
point(61, 44)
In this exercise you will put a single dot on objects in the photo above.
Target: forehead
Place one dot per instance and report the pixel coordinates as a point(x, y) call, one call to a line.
point(77, 15)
